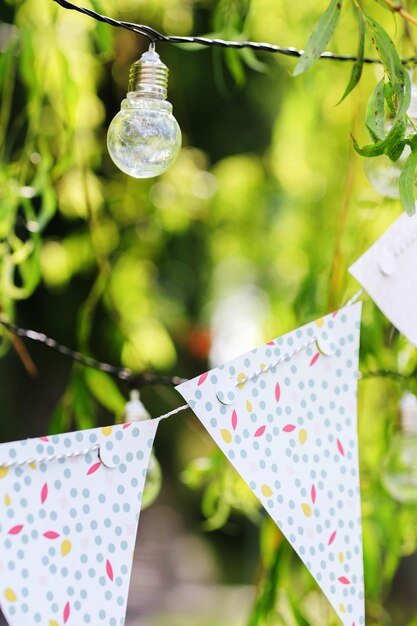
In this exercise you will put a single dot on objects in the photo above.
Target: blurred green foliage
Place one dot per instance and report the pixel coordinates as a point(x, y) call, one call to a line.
point(246, 237)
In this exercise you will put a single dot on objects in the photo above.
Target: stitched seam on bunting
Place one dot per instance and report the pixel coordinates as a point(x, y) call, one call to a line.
point(49, 459)
point(290, 355)
point(402, 248)
point(75, 454)
point(270, 366)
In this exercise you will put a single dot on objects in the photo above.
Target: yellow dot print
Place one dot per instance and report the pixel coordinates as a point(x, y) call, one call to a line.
point(306, 509)
point(3, 472)
point(66, 547)
point(107, 430)
point(302, 436)
point(240, 378)
point(249, 406)
point(266, 491)
point(10, 595)
point(226, 435)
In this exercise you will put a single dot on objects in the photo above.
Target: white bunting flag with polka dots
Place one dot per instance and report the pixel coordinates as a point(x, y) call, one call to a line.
point(285, 414)
point(388, 272)
point(70, 508)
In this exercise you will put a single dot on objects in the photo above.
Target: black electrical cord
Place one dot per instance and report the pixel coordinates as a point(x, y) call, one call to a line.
point(134, 380)
point(155, 36)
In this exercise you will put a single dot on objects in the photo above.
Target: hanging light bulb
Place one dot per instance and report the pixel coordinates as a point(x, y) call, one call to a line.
point(399, 471)
point(135, 411)
point(384, 174)
point(144, 138)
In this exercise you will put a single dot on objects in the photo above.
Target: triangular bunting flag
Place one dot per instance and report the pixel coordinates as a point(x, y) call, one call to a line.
point(388, 272)
point(285, 415)
point(70, 507)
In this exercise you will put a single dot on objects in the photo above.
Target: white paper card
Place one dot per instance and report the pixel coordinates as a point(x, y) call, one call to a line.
point(68, 525)
point(388, 272)
point(290, 429)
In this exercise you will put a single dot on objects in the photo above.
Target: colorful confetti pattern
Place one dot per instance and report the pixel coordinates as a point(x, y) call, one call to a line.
point(291, 432)
point(68, 526)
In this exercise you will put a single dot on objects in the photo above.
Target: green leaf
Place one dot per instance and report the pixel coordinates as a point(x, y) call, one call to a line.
point(386, 146)
point(197, 473)
point(375, 112)
point(82, 404)
point(60, 420)
point(320, 37)
point(385, 48)
point(396, 72)
point(102, 34)
point(235, 66)
point(250, 59)
point(301, 620)
point(388, 95)
point(21, 269)
point(407, 182)
point(396, 151)
point(214, 507)
point(358, 65)
point(48, 207)
point(105, 390)
point(153, 482)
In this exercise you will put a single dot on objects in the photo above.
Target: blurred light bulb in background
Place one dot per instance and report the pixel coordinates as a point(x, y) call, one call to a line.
point(399, 470)
point(384, 174)
point(144, 138)
point(135, 411)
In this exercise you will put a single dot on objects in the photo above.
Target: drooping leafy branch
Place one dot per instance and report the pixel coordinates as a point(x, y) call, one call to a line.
point(387, 121)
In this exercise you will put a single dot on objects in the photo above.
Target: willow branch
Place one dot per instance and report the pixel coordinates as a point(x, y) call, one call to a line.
point(398, 8)
point(390, 374)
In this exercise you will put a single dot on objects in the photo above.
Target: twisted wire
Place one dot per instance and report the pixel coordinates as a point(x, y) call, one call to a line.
point(125, 374)
point(142, 379)
point(153, 35)
point(48, 459)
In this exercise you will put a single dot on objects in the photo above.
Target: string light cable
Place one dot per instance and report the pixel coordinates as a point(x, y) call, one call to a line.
point(121, 373)
point(135, 380)
point(144, 138)
point(155, 36)
point(139, 380)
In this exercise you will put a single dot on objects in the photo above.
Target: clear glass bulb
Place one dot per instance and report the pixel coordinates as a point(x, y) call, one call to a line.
point(153, 482)
point(399, 470)
point(144, 138)
point(135, 411)
point(384, 174)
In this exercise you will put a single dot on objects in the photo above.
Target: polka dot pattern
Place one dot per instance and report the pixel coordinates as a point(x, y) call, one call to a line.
point(68, 527)
point(291, 432)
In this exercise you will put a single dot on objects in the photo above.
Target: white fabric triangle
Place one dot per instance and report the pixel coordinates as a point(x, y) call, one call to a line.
point(388, 272)
point(290, 429)
point(70, 507)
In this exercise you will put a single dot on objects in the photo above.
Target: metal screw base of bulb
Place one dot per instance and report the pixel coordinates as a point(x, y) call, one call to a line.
point(149, 76)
